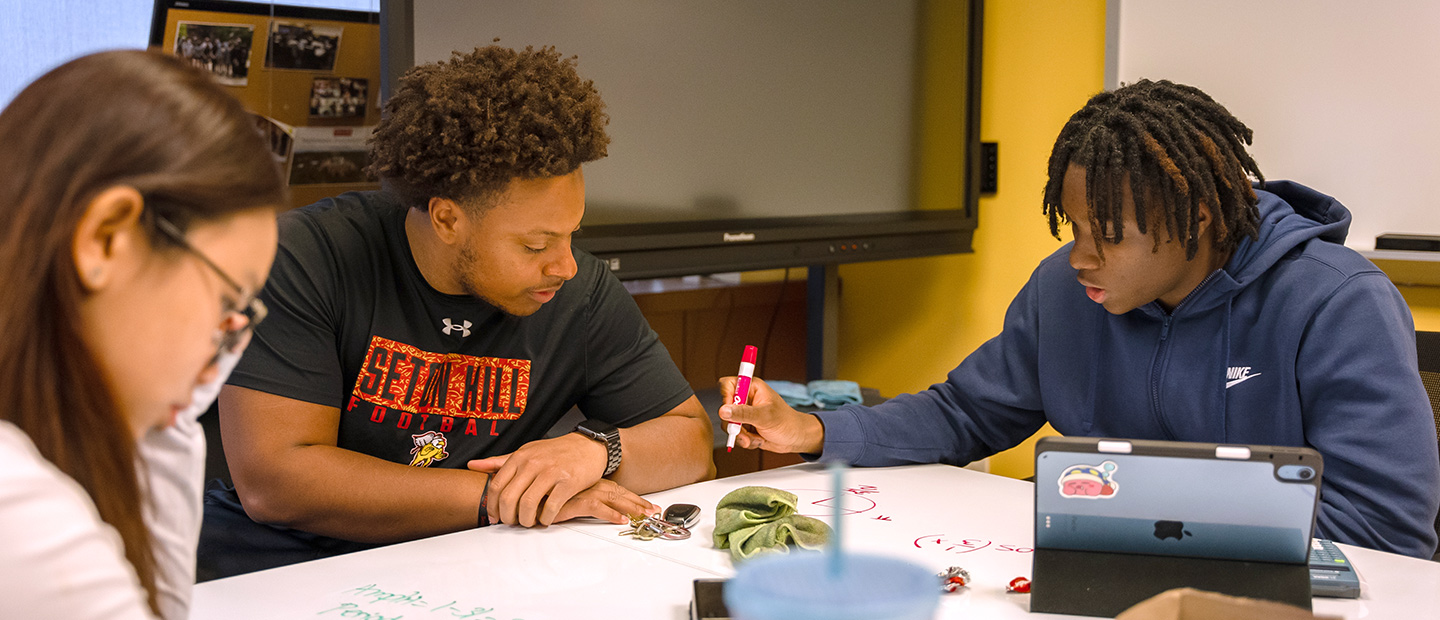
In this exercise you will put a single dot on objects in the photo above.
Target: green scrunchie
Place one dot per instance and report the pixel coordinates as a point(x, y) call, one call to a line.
point(751, 521)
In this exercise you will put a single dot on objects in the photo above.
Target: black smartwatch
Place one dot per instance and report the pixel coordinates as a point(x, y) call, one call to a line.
point(606, 433)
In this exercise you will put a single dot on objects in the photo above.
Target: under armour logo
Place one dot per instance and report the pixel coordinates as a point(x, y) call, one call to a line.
point(463, 328)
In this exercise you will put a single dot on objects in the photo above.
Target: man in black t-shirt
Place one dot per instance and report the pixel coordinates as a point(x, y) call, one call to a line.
point(422, 340)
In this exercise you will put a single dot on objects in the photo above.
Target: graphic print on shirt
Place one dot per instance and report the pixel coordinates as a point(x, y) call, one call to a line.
point(417, 390)
point(1236, 375)
point(429, 447)
point(450, 328)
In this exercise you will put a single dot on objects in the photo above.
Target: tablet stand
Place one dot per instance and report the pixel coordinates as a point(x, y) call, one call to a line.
point(1095, 583)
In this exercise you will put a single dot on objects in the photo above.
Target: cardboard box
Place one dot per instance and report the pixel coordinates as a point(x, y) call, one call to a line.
point(1192, 604)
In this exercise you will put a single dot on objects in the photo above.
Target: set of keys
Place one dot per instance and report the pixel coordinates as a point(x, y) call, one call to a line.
point(674, 524)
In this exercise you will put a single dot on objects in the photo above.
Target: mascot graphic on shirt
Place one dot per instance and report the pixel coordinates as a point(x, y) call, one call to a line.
point(429, 447)
point(1089, 481)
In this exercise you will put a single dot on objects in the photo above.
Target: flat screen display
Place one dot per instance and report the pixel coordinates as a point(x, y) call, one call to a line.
point(723, 110)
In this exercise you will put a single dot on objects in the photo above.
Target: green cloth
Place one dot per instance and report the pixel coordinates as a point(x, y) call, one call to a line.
point(751, 521)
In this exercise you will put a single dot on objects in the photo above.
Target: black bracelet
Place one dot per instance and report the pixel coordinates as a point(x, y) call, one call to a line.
point(484, 519)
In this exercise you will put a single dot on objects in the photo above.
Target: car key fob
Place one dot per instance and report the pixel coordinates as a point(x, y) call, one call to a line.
point(683, 515)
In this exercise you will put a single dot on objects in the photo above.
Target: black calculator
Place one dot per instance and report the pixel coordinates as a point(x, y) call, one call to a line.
point(1330, 571)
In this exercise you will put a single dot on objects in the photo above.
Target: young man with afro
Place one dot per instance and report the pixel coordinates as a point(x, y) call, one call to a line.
point(422, 340)
point(1197, 303)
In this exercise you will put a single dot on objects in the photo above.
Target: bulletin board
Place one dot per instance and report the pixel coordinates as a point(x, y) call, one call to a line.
point(312, 77)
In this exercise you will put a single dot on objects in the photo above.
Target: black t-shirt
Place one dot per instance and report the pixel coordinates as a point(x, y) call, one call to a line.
point(431, 379)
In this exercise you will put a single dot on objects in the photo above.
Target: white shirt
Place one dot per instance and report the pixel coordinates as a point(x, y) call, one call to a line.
point(171, 464)
point(57, 558)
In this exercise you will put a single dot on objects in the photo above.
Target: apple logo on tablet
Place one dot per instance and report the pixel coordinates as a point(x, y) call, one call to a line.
point(1170, 529)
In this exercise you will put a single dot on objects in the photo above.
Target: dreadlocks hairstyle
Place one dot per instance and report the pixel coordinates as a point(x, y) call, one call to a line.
point(462, 129)
point(1180, 151)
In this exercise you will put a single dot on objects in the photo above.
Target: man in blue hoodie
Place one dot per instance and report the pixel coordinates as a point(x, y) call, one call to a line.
point(1192, 306)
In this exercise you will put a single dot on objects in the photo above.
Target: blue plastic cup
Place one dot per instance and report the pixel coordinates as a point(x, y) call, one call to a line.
point(800, 586)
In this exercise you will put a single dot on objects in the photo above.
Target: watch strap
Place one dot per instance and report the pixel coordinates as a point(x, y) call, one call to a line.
point(608, 435)
point(612, 452)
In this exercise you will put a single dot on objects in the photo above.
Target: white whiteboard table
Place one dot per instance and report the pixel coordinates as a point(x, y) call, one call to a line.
point(934, 515)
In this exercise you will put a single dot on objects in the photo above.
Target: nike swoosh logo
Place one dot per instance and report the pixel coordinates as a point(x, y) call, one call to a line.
point(1233, 382)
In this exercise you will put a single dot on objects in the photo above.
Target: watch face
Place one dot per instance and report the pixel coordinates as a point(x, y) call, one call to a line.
point(596, 428)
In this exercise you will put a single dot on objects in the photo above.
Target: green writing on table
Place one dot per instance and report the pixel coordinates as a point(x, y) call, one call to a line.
point(370, 602)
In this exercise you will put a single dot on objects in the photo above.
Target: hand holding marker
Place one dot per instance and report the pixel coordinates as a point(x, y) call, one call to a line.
point(742, 392)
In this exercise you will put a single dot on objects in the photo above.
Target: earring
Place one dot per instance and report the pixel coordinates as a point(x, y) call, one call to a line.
point(95, 273)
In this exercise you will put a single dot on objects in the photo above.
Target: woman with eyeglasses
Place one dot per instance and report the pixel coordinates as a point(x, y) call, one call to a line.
point(137, 205)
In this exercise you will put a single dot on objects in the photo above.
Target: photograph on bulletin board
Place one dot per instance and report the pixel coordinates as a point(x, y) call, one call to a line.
point(309, 75)
point(304, 47)
point(220, 49)
point(329, 156)
point(338, 97)
point(281, 138)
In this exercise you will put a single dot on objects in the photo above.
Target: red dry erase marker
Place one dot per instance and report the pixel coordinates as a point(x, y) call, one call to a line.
point(742, 392)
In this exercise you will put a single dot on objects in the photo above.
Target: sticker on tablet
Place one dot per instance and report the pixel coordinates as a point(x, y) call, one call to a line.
point(1089, 481)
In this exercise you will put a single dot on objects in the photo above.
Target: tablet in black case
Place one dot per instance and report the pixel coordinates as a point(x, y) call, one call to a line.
point(1117, 521)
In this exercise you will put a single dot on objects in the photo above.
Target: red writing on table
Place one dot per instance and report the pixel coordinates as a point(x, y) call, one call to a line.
point(855, 503)
point(965, 545)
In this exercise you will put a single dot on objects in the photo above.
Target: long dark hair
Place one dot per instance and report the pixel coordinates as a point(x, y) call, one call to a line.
point(123, 118)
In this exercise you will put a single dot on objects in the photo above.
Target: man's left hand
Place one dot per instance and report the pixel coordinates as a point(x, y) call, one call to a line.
point(530, 486)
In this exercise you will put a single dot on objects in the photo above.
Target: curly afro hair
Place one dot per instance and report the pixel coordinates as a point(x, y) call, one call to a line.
point(463, 129)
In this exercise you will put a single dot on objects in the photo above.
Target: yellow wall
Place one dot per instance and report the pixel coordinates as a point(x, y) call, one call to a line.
point(1424, 306)
point(904, 324)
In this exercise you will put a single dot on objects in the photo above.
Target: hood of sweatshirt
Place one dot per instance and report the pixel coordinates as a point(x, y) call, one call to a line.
point(1291, 214)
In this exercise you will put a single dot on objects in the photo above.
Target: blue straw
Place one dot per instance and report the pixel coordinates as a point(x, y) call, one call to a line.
point(837, 554)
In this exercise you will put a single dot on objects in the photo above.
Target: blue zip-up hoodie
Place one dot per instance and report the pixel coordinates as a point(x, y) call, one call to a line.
point(1298, 341)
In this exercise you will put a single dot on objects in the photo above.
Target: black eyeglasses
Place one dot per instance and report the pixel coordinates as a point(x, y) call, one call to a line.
point(238, 322)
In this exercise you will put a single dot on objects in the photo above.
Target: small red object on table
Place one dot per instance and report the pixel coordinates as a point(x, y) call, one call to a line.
point(954, 578)
point(1019, 585)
